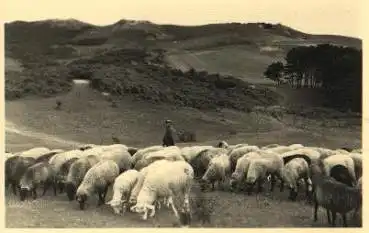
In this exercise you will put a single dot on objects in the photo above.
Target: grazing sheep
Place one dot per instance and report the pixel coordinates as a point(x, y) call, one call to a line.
point(64, 170)
point(189, 152)
point(296, 146)
point(237, 153)
point(218, 170)
point(38, 174)
point(119, 155)
point(260, 167)
point(97, 180)
point(141, 152)
point(341, 174)
point(170, 153)
point(332, 195)
point(158, 184)
point(59, 159)
point(122, 188)
point(201, 161)
point(136, 189)
point(270, 146)
point(293, 171)
point(14, 169)
point(340, 159)
point(77, 172)
point(34, 152)
point(46, 157)
point(242, 166)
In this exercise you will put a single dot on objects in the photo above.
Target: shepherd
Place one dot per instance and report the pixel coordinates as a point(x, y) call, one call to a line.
point(170, 132)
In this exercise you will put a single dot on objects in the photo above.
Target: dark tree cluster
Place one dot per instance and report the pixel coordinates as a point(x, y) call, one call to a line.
point(334, 69)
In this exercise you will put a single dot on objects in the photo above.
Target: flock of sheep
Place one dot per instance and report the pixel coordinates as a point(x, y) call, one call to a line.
point(144, 179)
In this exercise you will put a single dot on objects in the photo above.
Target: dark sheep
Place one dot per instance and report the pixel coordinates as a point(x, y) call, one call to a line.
point(341, 174)
point(63, 173)
point(15, 167)
point(200, 163)
point(333, 195)
point(35, 175)
point(46, 157)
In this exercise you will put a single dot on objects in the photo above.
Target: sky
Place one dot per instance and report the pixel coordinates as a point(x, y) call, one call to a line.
point(339, 17)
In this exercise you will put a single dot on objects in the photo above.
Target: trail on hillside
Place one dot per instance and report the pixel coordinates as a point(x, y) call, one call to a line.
point(10, 127)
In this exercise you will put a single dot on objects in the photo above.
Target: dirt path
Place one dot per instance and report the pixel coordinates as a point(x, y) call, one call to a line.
point(10, 127)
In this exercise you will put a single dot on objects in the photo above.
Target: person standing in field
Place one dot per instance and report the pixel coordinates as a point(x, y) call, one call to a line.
point(170, 132)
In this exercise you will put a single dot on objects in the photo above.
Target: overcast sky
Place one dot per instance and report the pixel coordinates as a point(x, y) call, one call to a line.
point(313, 16)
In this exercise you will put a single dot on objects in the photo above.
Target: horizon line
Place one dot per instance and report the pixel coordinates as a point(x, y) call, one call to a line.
point(183, 25)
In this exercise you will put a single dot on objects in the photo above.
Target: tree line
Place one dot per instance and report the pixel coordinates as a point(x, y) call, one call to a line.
point(335, 70)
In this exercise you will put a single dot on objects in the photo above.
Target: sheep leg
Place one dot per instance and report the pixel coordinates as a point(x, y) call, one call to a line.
point(344, 220)
point(34, 193)
point(329, 217)
point(260, 185)
point(55, 188)
point(272, 183)
point(334, 216)
point(14, 187)
point(46, 187)
point(316, 207)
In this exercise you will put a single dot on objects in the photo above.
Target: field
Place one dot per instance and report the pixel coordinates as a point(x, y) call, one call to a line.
point(138, 59)
point(34, 122)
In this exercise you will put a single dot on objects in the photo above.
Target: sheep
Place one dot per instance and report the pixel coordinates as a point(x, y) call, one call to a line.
point(141, 152)
point(59, 159)
point(279, 149)
point(169, 153)
point(296, 146)
point(38, 174)
point(218, 170)
point(260, 167)
point(189, 152)
point(122, 188)
point(136, 189)
point(241, 169)
point(306, 153)
point(158, 184)
point(237, 153)
point(341, 174)
point(14, 169)
point(332, 195)
point(77, 172)
point(342, 159)
point(358, 163)
point(34, 152)
point(270, 146)
point(97, 180)
point(292, 172)
point(46, 157)
point(119, 155)
point(201, 161)
point(64, 170)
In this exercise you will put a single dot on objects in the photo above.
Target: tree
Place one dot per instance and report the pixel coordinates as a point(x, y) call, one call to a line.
point(274, 72)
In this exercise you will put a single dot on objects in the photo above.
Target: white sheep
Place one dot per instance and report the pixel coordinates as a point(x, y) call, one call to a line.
point(242, 166)
point(77, 172)
point(169, 153)
point(120, 155)
point(293, 171)
point(122, 188)
point(340, 159)
point(59, 159)
point(189, 152)
point(218, 170)
point(97, 180)
point(141, 152)
point(34, 152)
point(237, 153)
point(158, 184)
point(260, 167)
